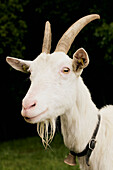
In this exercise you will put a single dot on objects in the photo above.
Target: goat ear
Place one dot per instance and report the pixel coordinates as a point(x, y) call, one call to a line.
point(19, 64)
point(80, 61)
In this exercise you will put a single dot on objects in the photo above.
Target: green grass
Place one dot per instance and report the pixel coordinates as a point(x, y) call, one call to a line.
point(29, 154)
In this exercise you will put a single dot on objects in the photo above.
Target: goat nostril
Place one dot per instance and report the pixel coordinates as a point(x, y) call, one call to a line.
point(29, 106)
point(33, 105)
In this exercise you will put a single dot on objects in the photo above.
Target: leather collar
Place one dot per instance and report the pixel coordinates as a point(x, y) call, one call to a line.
point(90, 146)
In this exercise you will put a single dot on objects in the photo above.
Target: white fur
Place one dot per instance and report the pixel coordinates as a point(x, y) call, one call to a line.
point(65, 95)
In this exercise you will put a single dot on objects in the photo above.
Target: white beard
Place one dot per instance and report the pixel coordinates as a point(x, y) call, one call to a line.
point(46, 130)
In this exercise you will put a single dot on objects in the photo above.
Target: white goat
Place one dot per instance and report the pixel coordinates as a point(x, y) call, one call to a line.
point(58, 90)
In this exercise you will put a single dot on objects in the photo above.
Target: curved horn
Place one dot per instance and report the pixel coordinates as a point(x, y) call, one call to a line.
point(68, 37)
point(46, 47)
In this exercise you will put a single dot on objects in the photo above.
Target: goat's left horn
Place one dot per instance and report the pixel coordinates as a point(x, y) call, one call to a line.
point(68, 37)
point(46, 47)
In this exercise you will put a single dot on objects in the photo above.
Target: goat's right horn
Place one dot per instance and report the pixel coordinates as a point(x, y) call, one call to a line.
point(68, 37)
point(46, 47)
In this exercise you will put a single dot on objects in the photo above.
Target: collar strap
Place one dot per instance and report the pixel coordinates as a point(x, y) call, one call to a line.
point(90, 146)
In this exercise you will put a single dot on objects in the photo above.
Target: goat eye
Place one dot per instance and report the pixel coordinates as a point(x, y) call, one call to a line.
point(65, 70)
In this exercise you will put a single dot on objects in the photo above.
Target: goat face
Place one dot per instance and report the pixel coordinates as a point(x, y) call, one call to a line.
point(53, 76)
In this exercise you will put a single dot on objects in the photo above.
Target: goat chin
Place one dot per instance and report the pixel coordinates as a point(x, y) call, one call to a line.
point(35, 119)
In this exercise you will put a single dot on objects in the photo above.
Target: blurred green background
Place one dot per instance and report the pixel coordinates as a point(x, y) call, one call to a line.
point(29, 154)
point(21, 35)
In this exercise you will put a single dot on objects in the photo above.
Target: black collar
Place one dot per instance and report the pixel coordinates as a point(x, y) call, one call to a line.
point(90, 146)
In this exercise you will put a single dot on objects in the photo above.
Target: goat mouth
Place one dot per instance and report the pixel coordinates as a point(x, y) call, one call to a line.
point(29, 119)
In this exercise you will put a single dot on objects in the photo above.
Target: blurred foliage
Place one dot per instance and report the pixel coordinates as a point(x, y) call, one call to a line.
point(104, 33)
point(20, 22)
point(12, 27)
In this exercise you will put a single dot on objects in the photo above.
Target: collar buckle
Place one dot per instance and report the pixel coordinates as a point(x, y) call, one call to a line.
point(92, 144)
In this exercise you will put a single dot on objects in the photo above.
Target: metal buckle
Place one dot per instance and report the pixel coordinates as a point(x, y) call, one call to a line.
point(92, 143)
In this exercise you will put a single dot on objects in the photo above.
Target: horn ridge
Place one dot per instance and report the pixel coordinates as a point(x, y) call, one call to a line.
point(68, 37)
point(46, 47)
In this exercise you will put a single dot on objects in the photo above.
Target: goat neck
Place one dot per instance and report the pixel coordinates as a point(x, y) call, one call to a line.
point(79, 122)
